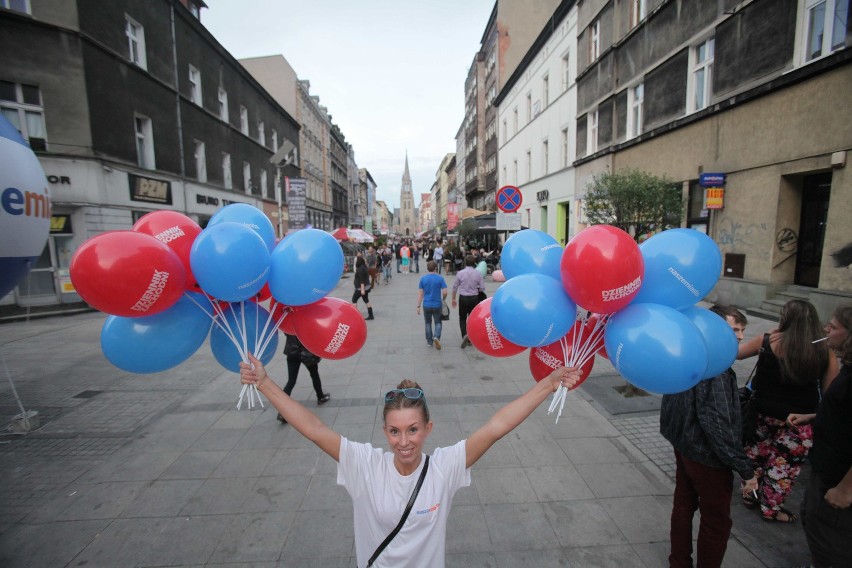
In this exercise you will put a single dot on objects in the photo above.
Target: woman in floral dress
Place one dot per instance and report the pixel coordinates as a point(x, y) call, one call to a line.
point(791, 372)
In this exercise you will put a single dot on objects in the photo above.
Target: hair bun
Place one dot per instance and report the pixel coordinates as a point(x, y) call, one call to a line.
point(408, 384)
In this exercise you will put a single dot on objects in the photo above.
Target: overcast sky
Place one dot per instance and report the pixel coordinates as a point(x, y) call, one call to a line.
point(390, 72)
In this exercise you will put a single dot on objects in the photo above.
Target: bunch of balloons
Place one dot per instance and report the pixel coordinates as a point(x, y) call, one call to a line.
point(638, 303)
point(167, 282)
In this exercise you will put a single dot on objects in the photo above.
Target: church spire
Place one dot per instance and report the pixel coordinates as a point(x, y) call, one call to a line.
point(406, 177)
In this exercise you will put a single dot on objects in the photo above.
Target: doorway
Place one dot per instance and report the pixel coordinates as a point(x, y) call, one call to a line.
point(816, 190)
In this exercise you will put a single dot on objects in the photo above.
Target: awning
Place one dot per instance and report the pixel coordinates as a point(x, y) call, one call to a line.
point(357, 235)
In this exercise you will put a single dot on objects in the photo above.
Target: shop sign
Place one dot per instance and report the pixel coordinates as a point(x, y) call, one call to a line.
point(715, 197)
point(712, 180)
point(150, 190)
point(542, 195)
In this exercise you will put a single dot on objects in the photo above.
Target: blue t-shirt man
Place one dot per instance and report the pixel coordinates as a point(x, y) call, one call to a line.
point(433, 290)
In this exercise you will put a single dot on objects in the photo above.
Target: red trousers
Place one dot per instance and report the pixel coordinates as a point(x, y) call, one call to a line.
point(707, 490)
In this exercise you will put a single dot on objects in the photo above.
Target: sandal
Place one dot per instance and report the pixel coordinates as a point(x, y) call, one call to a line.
point(773, 516)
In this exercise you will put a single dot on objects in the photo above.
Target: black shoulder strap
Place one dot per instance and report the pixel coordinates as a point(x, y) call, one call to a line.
point(408, 507)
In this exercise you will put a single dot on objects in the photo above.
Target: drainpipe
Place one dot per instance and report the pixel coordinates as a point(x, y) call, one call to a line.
point(177, 108)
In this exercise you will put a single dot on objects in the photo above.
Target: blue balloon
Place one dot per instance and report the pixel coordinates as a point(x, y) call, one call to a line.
point(251, 217)
point(681, 268)
point(719, 339)
point(151, 344)
point(256, 318)
point(230, 261)
point(531, 252)
point(305, 267)
point(533, 310)
point(656, 348)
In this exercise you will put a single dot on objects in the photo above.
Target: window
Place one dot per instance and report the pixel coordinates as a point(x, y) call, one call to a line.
point(505, 131)
point(16, 5)
point(21, 105)
point(226, 171)
point(592, 144)
point(135, 42)
point(825, 27)
point(247, 177)
point(144, 142)
point(595, 41)
point(529, 107)
point(545, 164)
point(565, 148)
point(274, 140)
point(515, 119)
point(637, 12)
point(566, 71)
point(529, 165)
point(244, 120)
point(223, 104)
point(702, 75)
point(261, 132)
point(635, 100)
point(515, 172)
point(194, 85)
point(545, 91)
point(264, 183)
point(200, 162)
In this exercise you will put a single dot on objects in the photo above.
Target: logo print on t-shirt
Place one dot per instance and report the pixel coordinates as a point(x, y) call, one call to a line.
point(431, 509)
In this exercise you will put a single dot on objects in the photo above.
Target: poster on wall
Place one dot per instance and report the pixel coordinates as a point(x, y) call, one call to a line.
point(296, 190)
point(452, 216)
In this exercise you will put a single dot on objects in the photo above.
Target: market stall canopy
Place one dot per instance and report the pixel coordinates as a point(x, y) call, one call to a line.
point(357, 235)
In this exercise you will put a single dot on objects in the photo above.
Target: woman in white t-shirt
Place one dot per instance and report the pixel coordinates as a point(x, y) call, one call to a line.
point(381, 483)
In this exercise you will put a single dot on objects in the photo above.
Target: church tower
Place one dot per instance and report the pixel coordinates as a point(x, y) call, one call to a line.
point(407, 223)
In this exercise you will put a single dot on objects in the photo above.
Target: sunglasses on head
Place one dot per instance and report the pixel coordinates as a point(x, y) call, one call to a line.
point(410, 393)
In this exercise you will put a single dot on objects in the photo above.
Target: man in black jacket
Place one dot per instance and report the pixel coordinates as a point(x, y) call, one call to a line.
point(703, 425)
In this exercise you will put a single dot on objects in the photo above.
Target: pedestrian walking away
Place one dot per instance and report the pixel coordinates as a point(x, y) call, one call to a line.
point(298, 355)
point(468, 285)
point(827, 506)
point(416, 258)
point(381, 482)
point(438, 256)
point(792, 368)
point(362, 286)
point(703, 425)
point(432, 291)
point(372, 266)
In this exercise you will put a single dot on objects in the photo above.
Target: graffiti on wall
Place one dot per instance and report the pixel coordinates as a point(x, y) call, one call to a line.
point(738, 236)
point(843, 257)
point(787, 240)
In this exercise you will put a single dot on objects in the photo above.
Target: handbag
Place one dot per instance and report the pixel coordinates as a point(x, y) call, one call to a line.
point(445, 312)
point(748, 411)
point(408, 507)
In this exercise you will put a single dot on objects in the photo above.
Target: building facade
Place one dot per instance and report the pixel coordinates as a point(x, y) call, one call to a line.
point(537, 118)
point(365, 205)
point(742, 91)
point(132, 106)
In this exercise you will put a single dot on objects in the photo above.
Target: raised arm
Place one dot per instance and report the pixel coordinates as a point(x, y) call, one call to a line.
point(510, 416)
point(306, 422)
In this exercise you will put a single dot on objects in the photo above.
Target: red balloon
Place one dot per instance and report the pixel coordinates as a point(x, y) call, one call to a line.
point(545, 360)
point(484, 335)
point(175, 230)
point(288, 324)
point(331, 328)
point(125, 273)
point(602, 269)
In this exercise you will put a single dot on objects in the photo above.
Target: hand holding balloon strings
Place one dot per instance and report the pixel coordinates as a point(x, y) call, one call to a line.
point(577, 354)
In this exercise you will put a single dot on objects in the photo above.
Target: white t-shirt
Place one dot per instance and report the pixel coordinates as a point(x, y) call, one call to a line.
point(379, 496)
point(438, 254)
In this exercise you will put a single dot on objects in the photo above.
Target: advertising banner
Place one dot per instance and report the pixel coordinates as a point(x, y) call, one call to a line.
point(452, 216)
point(296, 191)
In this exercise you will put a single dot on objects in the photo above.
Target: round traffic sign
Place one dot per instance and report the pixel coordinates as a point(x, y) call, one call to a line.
point(509, 199)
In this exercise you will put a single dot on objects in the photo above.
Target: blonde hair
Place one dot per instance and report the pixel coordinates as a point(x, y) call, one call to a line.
point(400, 402)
